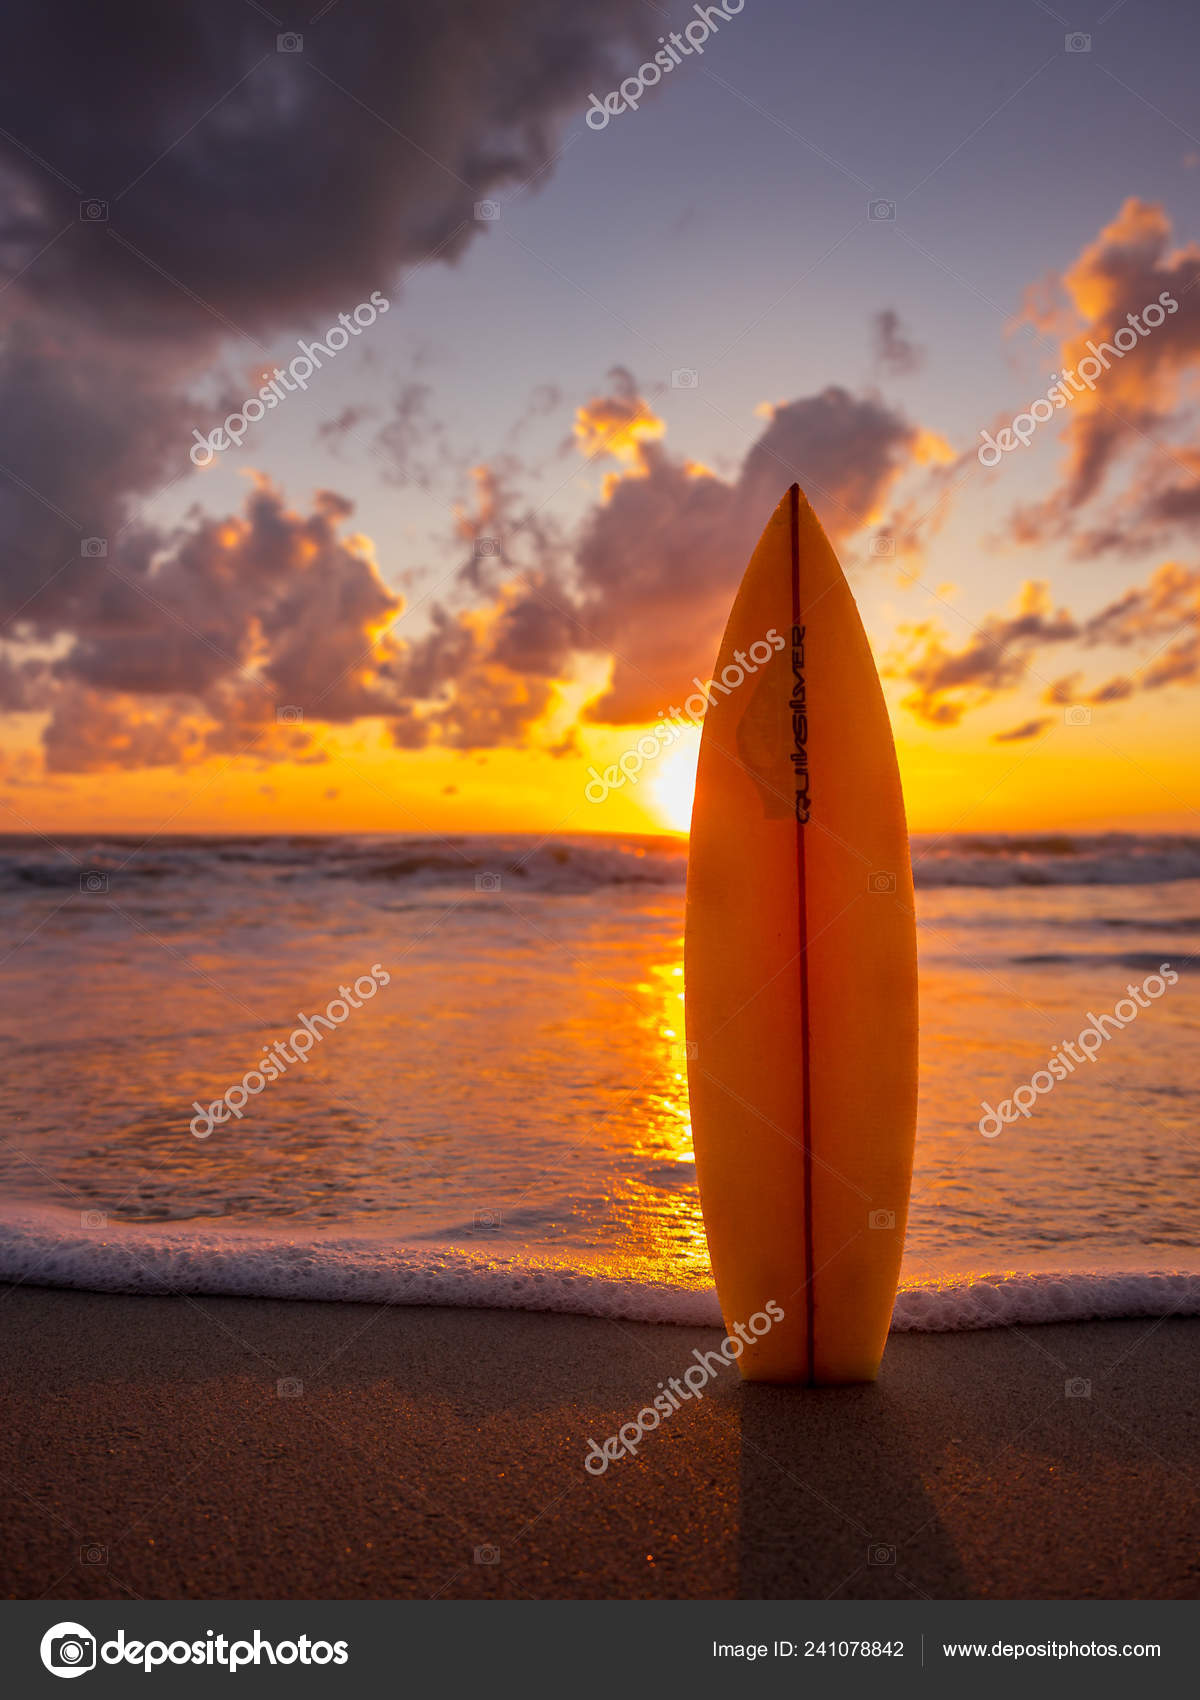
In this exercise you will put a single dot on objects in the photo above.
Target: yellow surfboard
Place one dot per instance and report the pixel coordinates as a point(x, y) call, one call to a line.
point(800, 972)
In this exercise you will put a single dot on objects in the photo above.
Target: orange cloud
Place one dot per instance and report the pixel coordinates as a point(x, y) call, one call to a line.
point(947, 682)
point(1135, 321)
point(617, 425)
point(1005, 647)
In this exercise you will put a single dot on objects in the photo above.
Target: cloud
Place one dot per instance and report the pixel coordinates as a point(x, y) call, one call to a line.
point(241, 192)
point(1071, 689)
point(845, 451)
point(483, 677)
point(1161, 617)
point(947, 682)
point(1130, 266)
point(273, 184)
point(895, 353)
point(659, 559)
point(618, 423)
point(1167, 599)
point(83, 423)
point(412, 440)
point(544, 399)
point(1166, 607)
point(1018, 734)
point(189, 645)
point(646, 580)
point(1172, 500)
point(253, 192)
point(1178, 665)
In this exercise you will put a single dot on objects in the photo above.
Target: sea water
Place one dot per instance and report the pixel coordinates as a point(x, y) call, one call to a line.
point(503, 1120)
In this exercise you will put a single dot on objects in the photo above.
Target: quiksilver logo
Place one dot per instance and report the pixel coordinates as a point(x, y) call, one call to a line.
point(798, 703)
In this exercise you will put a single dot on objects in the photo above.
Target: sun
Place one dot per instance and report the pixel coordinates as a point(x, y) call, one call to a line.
point(674, 782)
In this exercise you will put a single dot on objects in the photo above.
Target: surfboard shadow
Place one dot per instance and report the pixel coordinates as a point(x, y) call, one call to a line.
point(833, 1501)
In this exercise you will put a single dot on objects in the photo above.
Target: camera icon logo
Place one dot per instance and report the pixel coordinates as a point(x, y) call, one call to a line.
point(289, 715)
point(487, 1555)
point(487, 1219)
point(488, 546)
point(487, 882)
point(68, 1649)
point(289, 42)
point(289, 1387)
point(1077, 1388)
point(93, 1554)
point(1077, 43)
point(96, 547)
point(1078, 716)
point(487, 212)
point(685, 378)
point(882, 546)
point(93, 880)
point(93, 212)
point(882, 1219)
point(881, 210)
point(881, 882)
point(881, 1555)
point(93, 1219)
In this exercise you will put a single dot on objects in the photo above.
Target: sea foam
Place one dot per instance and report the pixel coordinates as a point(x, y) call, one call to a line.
point(47, 1246)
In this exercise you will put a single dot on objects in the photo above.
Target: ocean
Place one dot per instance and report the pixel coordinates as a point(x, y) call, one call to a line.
point(501, 1119)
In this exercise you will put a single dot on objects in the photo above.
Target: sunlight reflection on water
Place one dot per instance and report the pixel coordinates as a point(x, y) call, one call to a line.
point(522, 1078)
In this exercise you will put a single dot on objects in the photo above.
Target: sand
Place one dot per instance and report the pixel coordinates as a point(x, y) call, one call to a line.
point(149, 1451)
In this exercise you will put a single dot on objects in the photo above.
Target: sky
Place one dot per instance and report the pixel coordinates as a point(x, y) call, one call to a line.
point(571, 351)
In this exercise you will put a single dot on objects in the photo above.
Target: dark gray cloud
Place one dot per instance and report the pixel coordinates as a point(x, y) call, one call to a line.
point(1019, 734)
point(238, 191)
point(275, 184)
point(896, 354)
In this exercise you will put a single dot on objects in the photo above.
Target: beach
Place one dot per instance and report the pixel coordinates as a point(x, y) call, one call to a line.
point(199, 1447)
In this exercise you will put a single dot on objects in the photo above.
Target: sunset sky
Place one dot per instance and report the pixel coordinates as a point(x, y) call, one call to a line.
point(496, 535)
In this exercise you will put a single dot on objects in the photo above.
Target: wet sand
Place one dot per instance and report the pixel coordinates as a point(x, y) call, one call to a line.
point(242, 1448)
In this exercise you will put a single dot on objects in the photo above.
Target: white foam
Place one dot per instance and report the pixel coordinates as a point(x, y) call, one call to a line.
point(48, 1246)
point(997, 1301)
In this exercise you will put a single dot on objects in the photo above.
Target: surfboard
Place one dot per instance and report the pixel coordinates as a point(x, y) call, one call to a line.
point(800, 972)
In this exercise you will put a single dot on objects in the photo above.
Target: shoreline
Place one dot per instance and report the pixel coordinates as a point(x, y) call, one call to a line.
point(48, 1245)
point(211, 1448)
